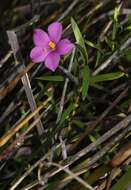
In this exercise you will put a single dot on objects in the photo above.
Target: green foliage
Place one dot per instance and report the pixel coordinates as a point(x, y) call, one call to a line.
point(85, 81)
point(85, 70)
point(66, 113)
point(53, 78)
point(85, 103)
point(93, 45)
point(106, 77)
point(124, 181)
point(78, 36)
point(127, 54)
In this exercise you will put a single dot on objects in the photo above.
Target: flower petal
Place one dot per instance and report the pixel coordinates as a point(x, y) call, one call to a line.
point(52, 61)
point(38, 55)
point(65, 47)
point(41, 38)
point(55, 31)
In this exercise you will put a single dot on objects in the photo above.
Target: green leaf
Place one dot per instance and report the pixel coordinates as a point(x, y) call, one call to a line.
point(99, 54)
point(77, 33)
point(92, 138)
point(91, 44)
point(111, 43)
point(78, 123)
point(85, 81)
point(106, 77)
point(116, 13)
point(55, 78)
point(82, 52)
point(128, 27)
point(127, 54)
point(67, 112)
point(78, 36)
point(99, 87)
point(123, 182)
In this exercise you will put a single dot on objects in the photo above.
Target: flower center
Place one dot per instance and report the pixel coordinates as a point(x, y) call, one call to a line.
point(52, 45)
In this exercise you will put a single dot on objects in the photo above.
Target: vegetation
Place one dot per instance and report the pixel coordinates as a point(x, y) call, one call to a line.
point(69, 129)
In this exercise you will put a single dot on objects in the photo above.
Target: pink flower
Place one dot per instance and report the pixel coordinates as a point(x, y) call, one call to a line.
point(49, 47)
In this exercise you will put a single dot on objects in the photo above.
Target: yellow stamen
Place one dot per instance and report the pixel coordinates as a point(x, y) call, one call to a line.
point(52, 45)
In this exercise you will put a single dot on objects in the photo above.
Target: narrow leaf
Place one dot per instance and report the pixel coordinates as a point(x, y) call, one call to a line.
point(85, 82)
point(106, 77)
point(78, 36)
point(91, 44)
point(55, 78)
point(67, 112)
